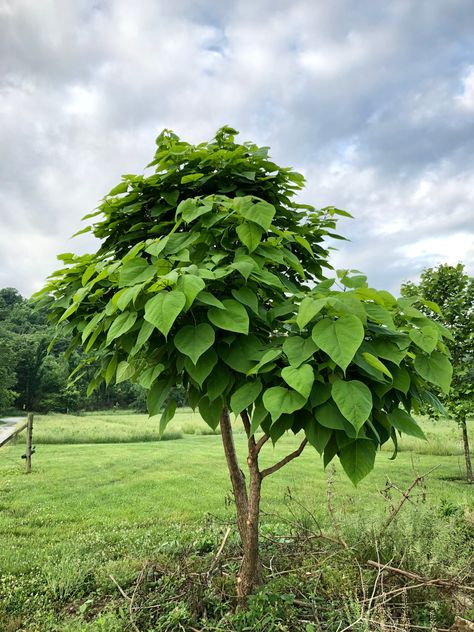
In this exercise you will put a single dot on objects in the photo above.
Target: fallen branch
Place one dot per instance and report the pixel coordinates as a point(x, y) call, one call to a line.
point(218, 554)
point(130, 601)
point(422, 581)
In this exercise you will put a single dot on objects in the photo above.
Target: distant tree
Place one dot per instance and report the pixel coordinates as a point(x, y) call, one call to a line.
point(9, 297)
point(453, 291)
point(7, 373)
point(211, 276)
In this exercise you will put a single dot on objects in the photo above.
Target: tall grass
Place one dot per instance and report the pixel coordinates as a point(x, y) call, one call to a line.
point(443, 437)
point(115, 427)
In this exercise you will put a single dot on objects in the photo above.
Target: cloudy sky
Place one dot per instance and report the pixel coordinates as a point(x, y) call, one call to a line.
point(373, 101)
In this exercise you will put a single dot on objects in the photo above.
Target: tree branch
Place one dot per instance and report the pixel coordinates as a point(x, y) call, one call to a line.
point(261, 442)
point(287, 459)
point(246, 422)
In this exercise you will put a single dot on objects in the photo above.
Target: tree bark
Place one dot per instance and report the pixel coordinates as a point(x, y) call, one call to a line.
point(250, 569)
point(247, 506)
point(237, 478)
point(467, 452)
point(248, 503)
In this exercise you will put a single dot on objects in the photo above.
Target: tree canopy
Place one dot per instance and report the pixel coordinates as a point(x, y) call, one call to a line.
point(212, 276)
point(446, 294)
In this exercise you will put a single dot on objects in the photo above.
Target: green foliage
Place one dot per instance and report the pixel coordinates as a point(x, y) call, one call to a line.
point(209, 270)
point(446, 294)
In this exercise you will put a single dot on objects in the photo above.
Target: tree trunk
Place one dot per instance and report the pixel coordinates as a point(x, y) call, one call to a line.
point(247, 509)
point(250, 570)
point(248, 504)
point(237, 478)
point(467, 452)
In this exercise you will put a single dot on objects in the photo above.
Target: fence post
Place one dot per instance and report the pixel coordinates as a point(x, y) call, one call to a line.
point(29, 443)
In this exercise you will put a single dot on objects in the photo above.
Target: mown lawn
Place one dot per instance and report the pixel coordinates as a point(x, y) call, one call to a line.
point(103, 507)
point(152, 484)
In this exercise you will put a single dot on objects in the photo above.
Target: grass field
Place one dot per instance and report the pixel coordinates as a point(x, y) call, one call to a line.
point(105, 494)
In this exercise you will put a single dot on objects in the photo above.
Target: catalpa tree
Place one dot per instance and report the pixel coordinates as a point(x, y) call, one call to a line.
point(211, 276)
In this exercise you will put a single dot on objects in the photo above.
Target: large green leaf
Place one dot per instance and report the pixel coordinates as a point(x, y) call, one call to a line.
point(91, 326)
point(211, 411)
point(329, 416)
point(317, 435)
point(260, 413)
point(194, 341)
point(167, 415)
point(401, 379)
point(320, 393)
point(242, 353)
point(260, 213)
point(157, 395)
point(250, 235)
point(209, 299)
point(190, 285)
point(299, 378)
point(435, 368)
point(244, 264)
point(233, 317)
point(376, 363)
point(124, 372)
point(192, 208)
point(245, 395)
point(201, 370)
point(111, 369)
point(405, 423)
point(163, 309)
point(121, 325)
point(268, 356)
point(379, 314)
point(246, 296)
point(308, 309)
point(149, 375)
point(354, 400)
point(279, 400)
point(145, 332)
point(426, 338)
point(358, 459)
point(218, 381)
point(298, 349)
point(136, 271)
point(126, 295)
point(339, 338)
point(386, 350)
point(278, 429)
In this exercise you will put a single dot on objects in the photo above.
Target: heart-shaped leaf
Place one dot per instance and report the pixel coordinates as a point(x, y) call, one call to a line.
point(299, 378)
point(194, 341)
point(354, 400)
point(278, 401)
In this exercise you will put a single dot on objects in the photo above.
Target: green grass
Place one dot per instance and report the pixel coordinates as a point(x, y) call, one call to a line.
point(136, 485)
point(443, 437)
point(114, 427)
point(91, 508)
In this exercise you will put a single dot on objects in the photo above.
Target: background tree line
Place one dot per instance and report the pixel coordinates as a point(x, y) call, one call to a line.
point(33, 379)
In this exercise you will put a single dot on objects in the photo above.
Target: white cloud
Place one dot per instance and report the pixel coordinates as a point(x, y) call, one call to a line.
point(466, 99)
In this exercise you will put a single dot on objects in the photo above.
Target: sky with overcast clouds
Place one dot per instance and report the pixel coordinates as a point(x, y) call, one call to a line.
point(373, 101)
